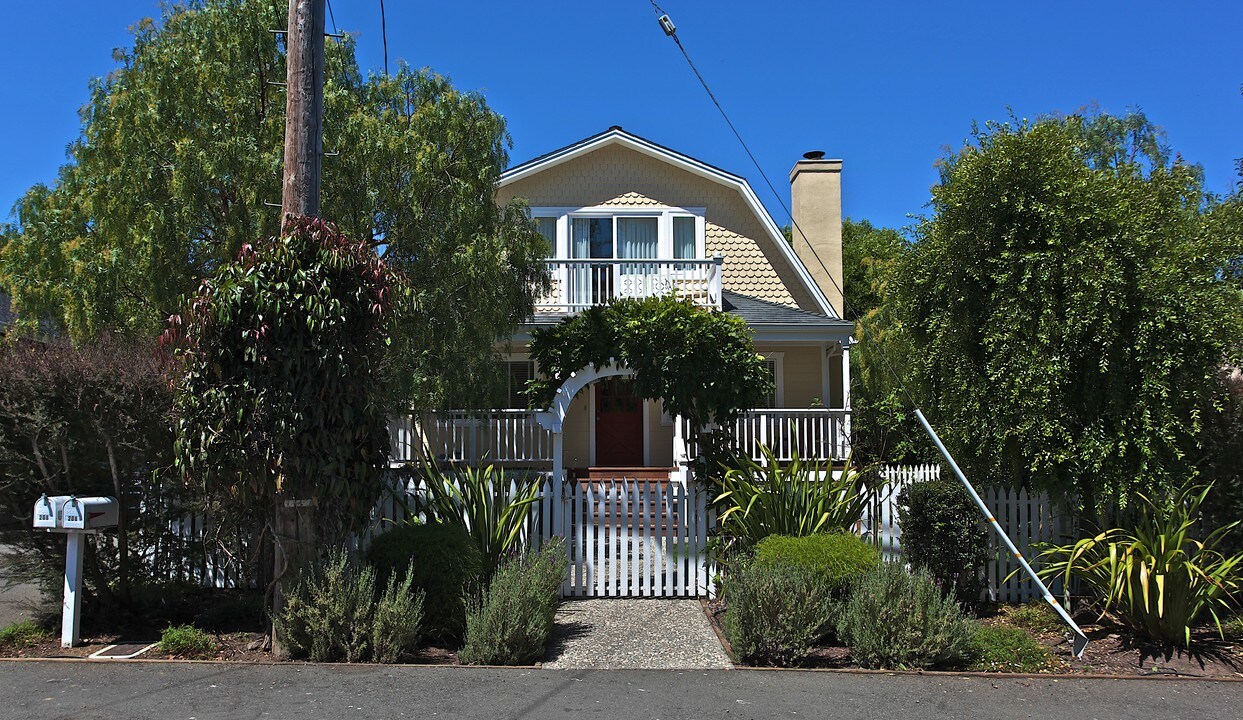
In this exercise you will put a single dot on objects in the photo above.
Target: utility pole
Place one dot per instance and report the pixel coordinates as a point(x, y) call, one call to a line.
point(295, 540)
point(304, 108)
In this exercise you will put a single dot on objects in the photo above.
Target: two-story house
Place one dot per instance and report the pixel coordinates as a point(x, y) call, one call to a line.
point(627, 217)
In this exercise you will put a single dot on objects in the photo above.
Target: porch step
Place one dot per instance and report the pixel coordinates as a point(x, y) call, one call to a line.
point(618, 473)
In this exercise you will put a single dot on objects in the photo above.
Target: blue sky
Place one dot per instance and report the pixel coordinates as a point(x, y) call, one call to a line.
point(888, 87)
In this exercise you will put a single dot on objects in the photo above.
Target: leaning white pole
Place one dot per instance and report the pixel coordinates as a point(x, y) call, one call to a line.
point(71, 610)
point(1080, 641)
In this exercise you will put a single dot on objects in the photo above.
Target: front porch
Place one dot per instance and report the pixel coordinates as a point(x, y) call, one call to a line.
point(515, 438)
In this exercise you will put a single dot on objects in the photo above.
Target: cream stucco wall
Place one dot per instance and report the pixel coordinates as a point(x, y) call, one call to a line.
point(615, 175)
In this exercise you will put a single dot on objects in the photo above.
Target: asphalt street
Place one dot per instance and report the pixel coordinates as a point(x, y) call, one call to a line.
point(82, 691)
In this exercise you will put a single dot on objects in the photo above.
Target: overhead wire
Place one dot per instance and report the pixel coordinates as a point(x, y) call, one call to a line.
point(1080, 640)
point(671, 31)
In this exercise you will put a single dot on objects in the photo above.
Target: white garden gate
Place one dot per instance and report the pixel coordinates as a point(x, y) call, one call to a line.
point(635, 538)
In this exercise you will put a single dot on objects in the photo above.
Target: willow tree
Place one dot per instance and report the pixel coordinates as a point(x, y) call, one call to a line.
point(180, 152)
point(1069, 308)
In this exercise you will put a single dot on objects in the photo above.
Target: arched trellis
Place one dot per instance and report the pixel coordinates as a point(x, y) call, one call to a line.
point(553, 419)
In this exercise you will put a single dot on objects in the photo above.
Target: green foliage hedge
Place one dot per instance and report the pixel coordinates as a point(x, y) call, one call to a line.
point(509, 624)
point(943, 532)
point(701, 364)
point(896, 619)
point(445, 564)
point(837, 559)
point(334, 613)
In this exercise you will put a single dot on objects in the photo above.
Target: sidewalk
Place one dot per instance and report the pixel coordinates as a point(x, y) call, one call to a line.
point(634, 634)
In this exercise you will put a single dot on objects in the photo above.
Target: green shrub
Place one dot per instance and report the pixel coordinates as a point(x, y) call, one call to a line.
point(898, 620)
point(489, 505)
point(795, 498)
point(775, 613)
point(1157, 578)
point(838, 558)
point(23, 634)
point(446, 567)
point(1007, 649)
point(1034, 616)
point(942, 532)
point(510, 622)
point(333, 614)
point(187, 642)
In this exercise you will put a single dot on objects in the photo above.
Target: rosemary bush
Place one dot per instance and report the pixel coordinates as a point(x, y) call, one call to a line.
point(334, 614)
point(896, 619)
point(509, 624)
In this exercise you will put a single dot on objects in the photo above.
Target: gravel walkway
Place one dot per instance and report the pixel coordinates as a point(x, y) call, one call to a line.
point(634, 634)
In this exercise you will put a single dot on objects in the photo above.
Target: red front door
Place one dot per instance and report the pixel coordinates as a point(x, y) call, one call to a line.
point(619, 424)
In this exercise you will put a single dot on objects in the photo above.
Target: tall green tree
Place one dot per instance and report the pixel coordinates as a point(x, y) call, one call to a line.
point(181, 148)
point(1069, 307)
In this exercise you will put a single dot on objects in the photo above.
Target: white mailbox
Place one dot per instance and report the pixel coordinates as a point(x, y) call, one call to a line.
point(48, 511)
point(75, 517)
point(89, 513)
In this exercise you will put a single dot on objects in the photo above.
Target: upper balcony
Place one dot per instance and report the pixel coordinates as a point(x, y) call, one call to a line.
point(578, 284)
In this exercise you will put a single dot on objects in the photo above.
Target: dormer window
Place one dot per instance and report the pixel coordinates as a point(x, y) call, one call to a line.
point(609, 233)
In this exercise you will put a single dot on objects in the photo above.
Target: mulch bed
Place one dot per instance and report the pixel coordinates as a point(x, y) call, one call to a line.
point(1112, 650)
point(237, 647)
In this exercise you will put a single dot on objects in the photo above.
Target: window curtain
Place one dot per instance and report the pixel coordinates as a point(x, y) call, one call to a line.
point(580, 238)
point(636, 238)
point(684, 238)
point(547, 226)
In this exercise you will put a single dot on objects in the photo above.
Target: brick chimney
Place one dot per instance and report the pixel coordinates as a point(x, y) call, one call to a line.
point(816, 204)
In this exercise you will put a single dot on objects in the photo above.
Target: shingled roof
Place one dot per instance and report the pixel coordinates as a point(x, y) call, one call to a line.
point(762, 312)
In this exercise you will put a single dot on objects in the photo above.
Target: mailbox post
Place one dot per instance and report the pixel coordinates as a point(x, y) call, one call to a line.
point(76, 517)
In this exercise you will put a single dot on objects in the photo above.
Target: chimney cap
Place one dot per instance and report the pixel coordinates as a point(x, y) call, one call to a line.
point(813, 155)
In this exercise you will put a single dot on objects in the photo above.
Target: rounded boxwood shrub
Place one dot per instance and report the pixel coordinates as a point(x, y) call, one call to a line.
point(838, 558)
point(896, 619)
point(446, 566)
point(942, 532)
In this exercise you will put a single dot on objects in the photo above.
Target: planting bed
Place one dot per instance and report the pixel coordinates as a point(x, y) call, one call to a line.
point(1113, 649)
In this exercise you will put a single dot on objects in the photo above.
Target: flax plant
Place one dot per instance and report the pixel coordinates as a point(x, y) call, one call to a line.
point(1156, 578)
point(797, 498)
point(492, 508)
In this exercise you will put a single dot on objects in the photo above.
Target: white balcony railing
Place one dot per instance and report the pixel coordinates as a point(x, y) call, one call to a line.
point(496, 436)
point(580, 284)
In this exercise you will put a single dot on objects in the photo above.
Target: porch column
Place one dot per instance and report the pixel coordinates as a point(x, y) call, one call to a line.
point(679, 449)
point(845, 440)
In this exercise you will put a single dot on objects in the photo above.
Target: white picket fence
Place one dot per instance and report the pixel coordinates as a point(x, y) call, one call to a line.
point(624, 537)
point(1027, 519)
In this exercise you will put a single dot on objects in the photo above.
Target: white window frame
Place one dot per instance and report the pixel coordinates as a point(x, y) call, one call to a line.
point(779, 376)
point(664, 232)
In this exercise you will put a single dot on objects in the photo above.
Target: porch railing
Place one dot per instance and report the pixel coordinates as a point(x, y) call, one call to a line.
point(458, 436)
point(811, 433)
point(580, 284)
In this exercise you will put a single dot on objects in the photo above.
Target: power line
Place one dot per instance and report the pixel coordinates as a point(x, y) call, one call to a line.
point(1080, 640)
point(667, 25)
